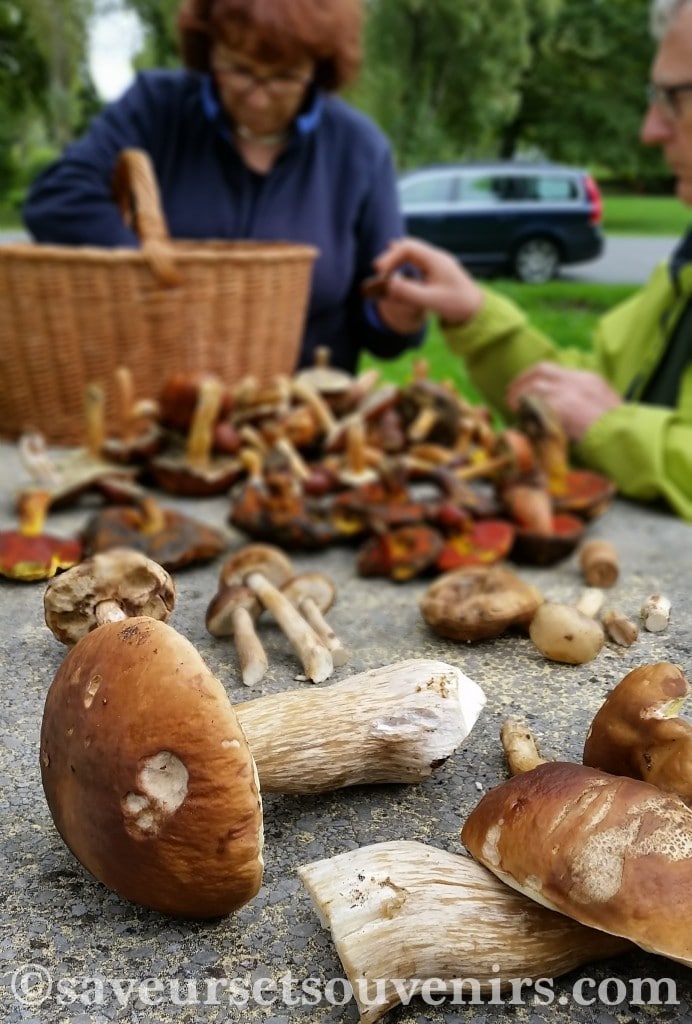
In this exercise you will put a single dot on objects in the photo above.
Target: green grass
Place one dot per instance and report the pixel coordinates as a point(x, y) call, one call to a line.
point(645, 215)
point(566, 311)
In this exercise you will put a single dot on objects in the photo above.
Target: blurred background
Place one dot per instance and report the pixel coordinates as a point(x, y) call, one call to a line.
point(556, 79)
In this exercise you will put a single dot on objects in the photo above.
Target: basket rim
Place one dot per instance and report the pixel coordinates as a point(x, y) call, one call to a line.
point(214, 249)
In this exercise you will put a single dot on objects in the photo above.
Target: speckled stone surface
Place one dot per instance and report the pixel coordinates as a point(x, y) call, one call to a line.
point(92, 953)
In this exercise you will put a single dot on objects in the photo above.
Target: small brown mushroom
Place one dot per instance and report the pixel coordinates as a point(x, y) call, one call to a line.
point(478, 603)
point(108, 587)
point(638, 731)
point(28, 553)
point(313, 593)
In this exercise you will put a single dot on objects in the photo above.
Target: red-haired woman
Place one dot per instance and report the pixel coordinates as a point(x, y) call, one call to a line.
point(251, 141)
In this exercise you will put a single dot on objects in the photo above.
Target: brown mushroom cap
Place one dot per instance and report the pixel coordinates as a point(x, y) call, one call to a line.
point(637, 731)
point(478, 602)
point(265, 558)
point(120, 580)
point(313, 585)
point(147, 772)
point(221, 608)
point(610, 852)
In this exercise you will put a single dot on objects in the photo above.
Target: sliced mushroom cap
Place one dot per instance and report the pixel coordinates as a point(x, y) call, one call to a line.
point(612, 853)
point(148, 775)
point(116, 584)
point(638, 732)
point(477, 603)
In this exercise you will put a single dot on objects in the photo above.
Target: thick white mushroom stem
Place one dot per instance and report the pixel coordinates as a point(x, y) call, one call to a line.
point(314, 656)
point(402, 912)
point(519, 746)
point(392, 724)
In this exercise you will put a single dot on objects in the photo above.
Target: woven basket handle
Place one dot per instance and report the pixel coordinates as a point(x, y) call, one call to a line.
point(137, 195)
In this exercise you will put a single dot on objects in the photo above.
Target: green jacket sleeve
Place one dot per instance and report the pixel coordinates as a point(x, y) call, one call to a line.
point(646, 450)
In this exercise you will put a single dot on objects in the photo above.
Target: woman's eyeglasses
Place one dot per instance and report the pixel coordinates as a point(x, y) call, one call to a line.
point(667, 98)
point(286, 85)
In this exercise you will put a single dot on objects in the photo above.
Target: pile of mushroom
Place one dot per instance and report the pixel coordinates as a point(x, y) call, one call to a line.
point(571, 864)
point(153, 779)
point(415, 474)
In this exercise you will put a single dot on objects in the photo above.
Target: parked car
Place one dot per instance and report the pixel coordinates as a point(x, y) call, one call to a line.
point(526, 219)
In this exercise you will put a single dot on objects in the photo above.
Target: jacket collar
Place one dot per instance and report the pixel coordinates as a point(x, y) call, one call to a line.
point(681, 256)
point(305, 123)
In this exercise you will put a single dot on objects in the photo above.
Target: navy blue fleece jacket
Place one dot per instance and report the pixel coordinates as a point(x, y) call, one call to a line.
point(333, 187)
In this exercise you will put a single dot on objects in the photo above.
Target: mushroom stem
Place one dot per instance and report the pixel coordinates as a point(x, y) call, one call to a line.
point(251, 654)
point(619, 628)
point(109, 611)
point(200, 438)
point(304, 391)
point(391, 724)
point(314, 617)
point(520, 747)
point(402, 912)
point(94, 411)
point(314, 656)
point(656, 613)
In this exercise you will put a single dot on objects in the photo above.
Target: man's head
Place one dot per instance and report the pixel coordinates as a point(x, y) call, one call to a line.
point(668, 120)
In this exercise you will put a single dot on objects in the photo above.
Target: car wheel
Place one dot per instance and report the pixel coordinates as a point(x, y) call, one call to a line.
point(536, 260)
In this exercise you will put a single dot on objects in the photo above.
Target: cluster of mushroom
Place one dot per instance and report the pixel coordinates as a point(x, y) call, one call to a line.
point(415, 473)
point(153, 778)
point(260, 576)
point(480, 603)
point(571, 863)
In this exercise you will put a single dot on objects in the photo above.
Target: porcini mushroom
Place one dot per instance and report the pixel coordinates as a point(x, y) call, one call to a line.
point(638, 732)
point(147, 773)
point(478, 603)
point(402, 913)
point(611, 852)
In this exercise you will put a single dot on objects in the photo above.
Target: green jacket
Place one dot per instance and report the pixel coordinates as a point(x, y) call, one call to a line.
point(645, 449)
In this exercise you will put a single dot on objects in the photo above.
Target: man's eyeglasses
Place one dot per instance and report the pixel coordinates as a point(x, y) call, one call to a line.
point(667, 98)
point(243, 81)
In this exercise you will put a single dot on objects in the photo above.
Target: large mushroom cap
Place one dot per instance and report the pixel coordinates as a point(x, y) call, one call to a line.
point(610, 852)
point(147, 773)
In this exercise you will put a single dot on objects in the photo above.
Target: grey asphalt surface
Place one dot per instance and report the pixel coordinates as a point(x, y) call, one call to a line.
point(71, 952)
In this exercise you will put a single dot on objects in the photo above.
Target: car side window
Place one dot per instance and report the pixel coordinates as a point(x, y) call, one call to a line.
point(429, 189)
point(481, 190)
point(551, 189)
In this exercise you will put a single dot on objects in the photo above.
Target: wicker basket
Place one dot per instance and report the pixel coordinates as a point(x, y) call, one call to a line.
point(71, 316)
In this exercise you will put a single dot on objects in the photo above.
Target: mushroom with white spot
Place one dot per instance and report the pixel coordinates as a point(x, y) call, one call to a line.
point(147, 772)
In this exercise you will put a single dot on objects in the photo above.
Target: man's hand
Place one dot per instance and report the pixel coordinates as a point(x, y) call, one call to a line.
point(578, 397)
